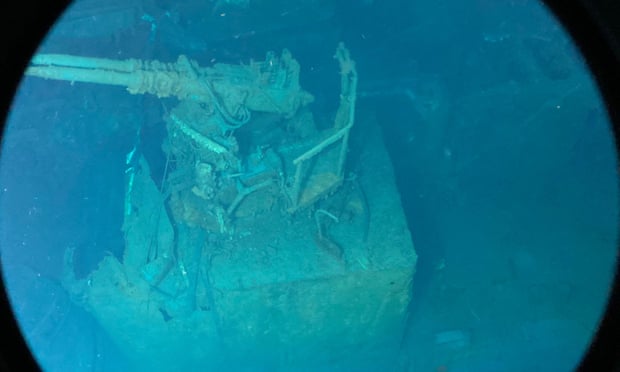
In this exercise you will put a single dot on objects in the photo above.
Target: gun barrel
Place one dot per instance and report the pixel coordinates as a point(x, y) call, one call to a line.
point(83, 75)
point(63, 60)
point(85, 69)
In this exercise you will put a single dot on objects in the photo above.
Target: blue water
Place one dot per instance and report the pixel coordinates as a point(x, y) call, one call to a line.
point(499, 141)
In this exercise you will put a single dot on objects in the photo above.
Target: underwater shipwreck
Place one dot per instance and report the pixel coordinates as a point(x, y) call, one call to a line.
point(261, 240)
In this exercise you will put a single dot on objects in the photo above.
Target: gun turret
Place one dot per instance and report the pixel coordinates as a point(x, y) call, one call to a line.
point(271, 85)
point(211, 176)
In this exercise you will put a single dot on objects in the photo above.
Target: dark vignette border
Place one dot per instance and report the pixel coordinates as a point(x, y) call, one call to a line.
point(595, 27)
point(593, 24)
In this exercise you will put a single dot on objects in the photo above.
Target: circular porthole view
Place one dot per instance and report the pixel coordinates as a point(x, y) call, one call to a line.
point(267, 185)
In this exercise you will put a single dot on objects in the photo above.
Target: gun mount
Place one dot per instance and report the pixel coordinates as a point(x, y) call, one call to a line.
point(271, 85)
point(215, 101)
point(242, 146)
